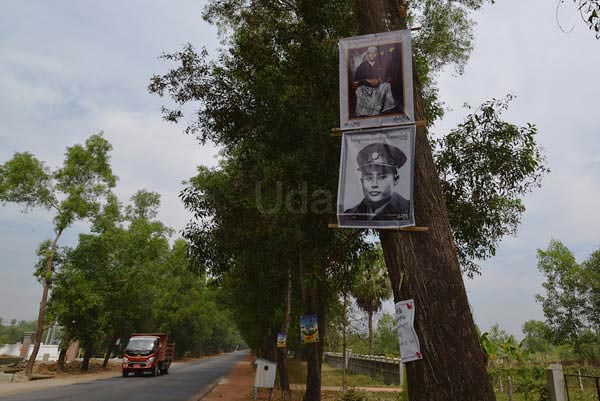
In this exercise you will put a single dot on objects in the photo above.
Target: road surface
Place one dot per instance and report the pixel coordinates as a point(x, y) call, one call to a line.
point(185, 382)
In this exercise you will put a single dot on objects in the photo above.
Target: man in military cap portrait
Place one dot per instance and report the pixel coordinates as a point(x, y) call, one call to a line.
point(378, 164)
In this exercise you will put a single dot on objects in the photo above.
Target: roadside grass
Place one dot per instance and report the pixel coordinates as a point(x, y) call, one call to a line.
point(331, 376)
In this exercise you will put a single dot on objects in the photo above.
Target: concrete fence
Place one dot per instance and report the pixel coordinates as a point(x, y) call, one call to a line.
point(11, 349)
point(46, 352)
point(390, 370)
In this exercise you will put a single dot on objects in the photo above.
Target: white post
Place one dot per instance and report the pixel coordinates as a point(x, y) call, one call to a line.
point(401, 369)
point(579, 377)
point(555, 381)
point(510, 389)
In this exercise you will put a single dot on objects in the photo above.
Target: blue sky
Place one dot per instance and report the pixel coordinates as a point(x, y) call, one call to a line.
point(69, 69)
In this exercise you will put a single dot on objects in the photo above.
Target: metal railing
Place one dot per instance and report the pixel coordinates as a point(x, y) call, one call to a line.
point(581, 386)
point(388, 369)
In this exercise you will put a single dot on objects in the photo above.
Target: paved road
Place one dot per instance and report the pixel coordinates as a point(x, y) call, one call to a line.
point(185, 382)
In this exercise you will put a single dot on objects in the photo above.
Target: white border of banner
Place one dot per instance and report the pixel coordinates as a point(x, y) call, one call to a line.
point(346, 45)
point(349, 186)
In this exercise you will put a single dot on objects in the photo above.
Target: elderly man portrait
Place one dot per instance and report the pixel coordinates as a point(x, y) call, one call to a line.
point(373, 89)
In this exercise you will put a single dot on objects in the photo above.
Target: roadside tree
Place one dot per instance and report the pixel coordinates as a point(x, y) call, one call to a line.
point(73, 192)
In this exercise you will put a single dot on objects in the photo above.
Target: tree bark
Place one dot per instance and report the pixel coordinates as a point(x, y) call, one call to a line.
point(37, 341)
point(64, 346)
point(312, 299)
point(453, 366)
point(109, 349)
point(85, 364)
point(284, 383)
point(61, 359)
point(315, 350)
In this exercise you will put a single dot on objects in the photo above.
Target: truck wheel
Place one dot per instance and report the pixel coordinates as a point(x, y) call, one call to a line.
point(155, 370)
point(125, 373)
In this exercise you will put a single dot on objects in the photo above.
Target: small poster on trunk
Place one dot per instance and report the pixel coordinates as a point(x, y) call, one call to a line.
point(410, 349)
point(281, 340)
point(309, 329)
point(376, 84)
point(376, 178)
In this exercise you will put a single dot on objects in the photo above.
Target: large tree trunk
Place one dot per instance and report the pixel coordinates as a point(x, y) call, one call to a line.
point(64, 346)
point(109, 349)
point(312, 299)
point(284, 383)
point(37, 341)
point(87, 355)
point(315, 350)
point(269, 349)
point(453, 366)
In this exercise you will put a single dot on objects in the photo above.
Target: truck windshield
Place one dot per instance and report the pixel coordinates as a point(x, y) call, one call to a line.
point(141, 344)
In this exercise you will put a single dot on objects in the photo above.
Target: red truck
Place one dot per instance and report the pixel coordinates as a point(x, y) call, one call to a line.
point(148, 352)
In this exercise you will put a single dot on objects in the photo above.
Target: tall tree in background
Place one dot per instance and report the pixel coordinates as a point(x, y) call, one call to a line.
point(73, 192)
point(570, 303)
point(537, 336)
point(591, 278)
point(371, 286)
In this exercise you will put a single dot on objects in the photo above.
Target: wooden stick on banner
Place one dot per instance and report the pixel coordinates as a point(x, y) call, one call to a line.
point(411, 228)
point(419, 124)
point(336, 40)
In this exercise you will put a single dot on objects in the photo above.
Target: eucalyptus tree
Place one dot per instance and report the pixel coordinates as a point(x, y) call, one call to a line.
point(591, 276)
point(563, 303)
point(72, 192)
point(269, 101)
point(116, 267)
point(570, 302)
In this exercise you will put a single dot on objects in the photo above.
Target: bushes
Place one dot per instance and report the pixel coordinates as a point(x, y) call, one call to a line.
point(529, 381)
point(357, 395)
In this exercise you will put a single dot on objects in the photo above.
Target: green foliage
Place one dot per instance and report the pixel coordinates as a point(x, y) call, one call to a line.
point(386, 337)
point(359, 395)
point(501, 347)
point(25, 180)
point(371, 285)
point(529, 382)
point(486, 165)
point(126, 278)
point(13, 332)
point(537, 336)
point(591, 279)
point(75, 191)
point(571, 299)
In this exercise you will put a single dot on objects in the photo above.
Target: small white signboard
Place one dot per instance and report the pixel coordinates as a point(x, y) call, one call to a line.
point(410, 349)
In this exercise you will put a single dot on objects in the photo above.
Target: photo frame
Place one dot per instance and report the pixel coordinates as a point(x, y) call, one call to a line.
point(376, 83)
point(375, 187)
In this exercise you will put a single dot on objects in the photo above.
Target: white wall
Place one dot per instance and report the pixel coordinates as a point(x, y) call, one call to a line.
point(15, 350)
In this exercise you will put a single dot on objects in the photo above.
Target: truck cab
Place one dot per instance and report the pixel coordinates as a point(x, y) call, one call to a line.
point(148, 352)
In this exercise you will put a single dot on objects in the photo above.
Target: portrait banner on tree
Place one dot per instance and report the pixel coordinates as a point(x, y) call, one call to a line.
point(410, 349)
point(375, 187)
point(376, 83)
point(281, 340)
point(309, 329)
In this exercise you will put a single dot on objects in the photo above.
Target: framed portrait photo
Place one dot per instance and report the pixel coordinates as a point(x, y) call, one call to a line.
point(376, 84)
point(375, 188)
